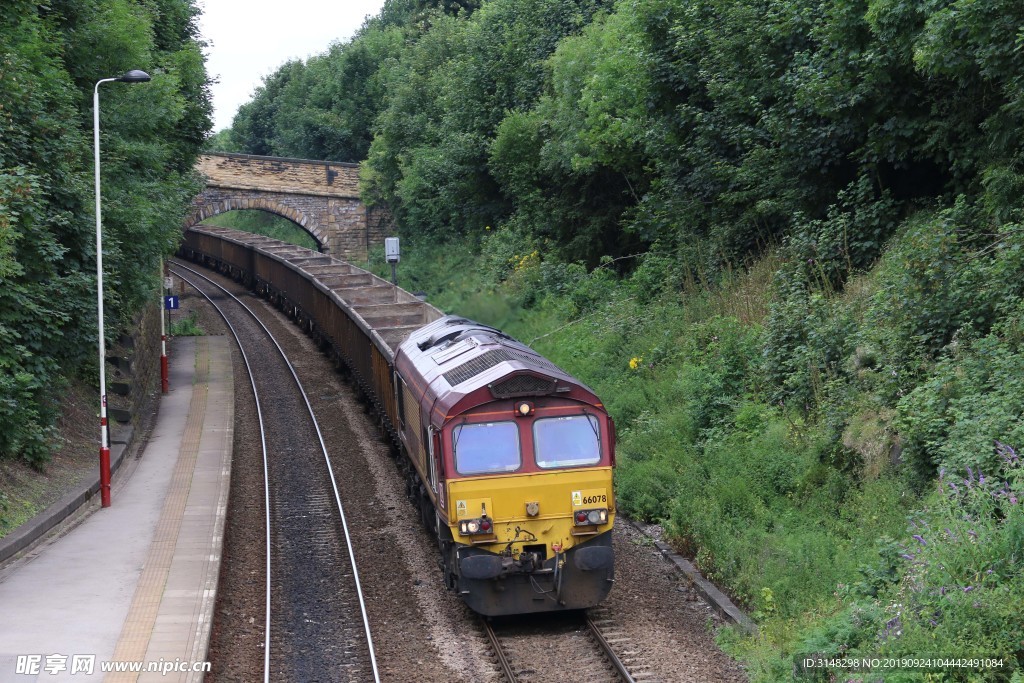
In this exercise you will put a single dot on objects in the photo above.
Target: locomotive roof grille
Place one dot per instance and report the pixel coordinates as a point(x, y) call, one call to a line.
point(523, 385)
point(489, 359)
point(475, 366)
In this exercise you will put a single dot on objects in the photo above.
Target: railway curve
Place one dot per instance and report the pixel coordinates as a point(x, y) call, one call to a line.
point(311, 566)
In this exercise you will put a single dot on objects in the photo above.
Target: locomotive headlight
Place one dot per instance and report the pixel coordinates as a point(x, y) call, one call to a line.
point(598, 516)
point(468, 527)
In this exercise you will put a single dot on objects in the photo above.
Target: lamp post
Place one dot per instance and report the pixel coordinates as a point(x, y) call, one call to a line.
point(134, 76)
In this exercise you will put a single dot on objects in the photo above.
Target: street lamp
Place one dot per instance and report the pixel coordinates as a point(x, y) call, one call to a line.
point(133, 76)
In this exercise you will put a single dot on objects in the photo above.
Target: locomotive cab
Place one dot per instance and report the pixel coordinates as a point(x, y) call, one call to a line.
point(518, 466)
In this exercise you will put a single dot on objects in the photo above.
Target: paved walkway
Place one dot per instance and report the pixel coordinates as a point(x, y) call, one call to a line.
point(135, 583)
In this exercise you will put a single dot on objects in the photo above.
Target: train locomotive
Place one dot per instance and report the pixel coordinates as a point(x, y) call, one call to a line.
point(508, 458)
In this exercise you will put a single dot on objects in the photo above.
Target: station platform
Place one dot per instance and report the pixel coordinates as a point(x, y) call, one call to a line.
point(127, 594)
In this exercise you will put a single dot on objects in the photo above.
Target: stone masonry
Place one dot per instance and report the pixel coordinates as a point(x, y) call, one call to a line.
point(320, 196)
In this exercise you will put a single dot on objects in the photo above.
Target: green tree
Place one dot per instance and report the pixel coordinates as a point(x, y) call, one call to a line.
point(50, 57)
point(445, 99)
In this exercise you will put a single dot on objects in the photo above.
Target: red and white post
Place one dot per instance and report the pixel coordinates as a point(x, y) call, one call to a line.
point(165, 382)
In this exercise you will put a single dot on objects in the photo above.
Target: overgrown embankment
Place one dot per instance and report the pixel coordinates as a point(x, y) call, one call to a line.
point(263, 223)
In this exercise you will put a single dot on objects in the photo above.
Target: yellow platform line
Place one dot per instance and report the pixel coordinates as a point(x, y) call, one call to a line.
point(138, 626)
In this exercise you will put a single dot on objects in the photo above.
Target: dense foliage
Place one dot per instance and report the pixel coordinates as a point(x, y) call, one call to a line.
point(782, 238)
point(51, 54)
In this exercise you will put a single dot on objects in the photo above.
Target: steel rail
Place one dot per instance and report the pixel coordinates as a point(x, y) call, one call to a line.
point(266, 470)
point(499, 652)
point(609, 652)
point(330, 471)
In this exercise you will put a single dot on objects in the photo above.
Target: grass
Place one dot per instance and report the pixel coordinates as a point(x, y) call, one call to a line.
point(17, 510)
point(186, 327)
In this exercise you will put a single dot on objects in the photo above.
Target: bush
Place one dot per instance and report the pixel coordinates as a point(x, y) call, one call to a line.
point(973, 397)
point(186, 327)
point(957, 587)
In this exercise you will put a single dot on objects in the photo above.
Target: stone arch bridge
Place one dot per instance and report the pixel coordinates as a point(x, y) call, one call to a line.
point(322, 197)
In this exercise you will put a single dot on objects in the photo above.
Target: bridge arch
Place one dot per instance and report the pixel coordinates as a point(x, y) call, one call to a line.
point(201, 212)
point(321, 197)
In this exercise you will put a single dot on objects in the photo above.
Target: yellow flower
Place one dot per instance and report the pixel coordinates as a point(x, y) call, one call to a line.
point(635, 361)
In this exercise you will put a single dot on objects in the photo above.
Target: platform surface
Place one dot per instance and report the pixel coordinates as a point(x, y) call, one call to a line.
point(133, 585)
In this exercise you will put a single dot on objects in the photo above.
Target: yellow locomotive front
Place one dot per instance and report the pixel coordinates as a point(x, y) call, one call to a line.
point(512, 464)
point(530, 505)
point(530, 508)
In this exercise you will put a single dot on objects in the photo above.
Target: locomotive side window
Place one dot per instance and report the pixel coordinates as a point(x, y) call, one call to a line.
point(567, 441)
point(486, 448)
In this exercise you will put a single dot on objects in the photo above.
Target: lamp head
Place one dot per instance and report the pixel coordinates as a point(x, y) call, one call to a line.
point(134, 76)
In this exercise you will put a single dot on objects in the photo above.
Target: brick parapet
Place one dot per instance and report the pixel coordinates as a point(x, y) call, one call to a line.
point(272, 174)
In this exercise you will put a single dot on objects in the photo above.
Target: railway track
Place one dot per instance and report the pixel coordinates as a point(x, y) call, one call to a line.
point(316, 622)
point(525, 650)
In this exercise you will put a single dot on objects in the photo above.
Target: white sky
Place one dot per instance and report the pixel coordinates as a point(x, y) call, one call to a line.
point(251, 38)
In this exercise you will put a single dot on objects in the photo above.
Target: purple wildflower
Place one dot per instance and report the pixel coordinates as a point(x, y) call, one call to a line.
point(973, 534)
point(942, 473)
point(920, 539)
point(942, 590)
point(968, 589)
point(1007, 452)
point(981, 477)
point(953, 487)
point(907, 557)
point(933, 622)
point(1013, 499)
point(970, 473)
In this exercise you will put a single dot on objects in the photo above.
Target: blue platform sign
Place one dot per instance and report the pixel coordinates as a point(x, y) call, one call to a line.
point(171, 303)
